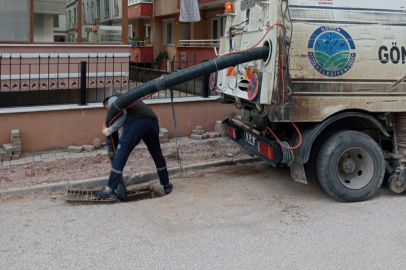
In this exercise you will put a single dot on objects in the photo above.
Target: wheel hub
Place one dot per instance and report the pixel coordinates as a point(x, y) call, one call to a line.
point(355, 168)
point(398, 185)
point(348, 165)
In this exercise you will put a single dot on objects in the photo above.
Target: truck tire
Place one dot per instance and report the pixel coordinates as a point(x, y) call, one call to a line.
point(350, 166)
point(310, 166)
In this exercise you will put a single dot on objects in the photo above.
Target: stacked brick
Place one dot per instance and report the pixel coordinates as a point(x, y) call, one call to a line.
point(213, 134)
point(221, 128)
point(163, 135)
point(79, 149)
point(11, 151)
point(199, 134)
point(96, 144)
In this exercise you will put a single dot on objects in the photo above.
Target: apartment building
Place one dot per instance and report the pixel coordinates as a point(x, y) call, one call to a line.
point(43, 42)
point(186, 42)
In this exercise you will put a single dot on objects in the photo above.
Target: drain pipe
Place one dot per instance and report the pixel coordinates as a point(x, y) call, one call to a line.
point(167, 81)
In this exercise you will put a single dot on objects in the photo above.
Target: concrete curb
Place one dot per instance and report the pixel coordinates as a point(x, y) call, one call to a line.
point(139, 179)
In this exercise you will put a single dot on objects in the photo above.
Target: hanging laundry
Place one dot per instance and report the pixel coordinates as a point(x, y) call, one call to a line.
point(189, 11)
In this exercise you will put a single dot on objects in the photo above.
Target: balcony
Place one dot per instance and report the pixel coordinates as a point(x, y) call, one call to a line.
point(56, 7)
point(138, 9)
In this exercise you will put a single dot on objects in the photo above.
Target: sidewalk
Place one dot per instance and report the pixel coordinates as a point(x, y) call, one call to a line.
point(52, 157)
point(62, 166)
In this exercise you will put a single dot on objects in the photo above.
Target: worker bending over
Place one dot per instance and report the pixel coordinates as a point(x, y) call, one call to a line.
point(139, 122)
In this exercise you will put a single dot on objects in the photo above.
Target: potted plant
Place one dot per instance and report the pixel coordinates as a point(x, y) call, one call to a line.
point(146, 41)
point(162, 59)
point(135, 40)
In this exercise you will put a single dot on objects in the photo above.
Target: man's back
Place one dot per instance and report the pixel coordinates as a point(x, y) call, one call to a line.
point(138, 111)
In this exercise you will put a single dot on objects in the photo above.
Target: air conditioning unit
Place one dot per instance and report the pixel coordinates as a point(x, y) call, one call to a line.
point(183, 57)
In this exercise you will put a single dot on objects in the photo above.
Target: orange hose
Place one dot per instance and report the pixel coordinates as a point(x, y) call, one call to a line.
point(290, 148)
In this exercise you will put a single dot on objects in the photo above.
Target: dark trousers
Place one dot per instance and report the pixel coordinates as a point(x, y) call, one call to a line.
point(146, 129)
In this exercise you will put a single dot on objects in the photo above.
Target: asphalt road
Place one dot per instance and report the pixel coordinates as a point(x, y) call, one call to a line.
point(242, 217)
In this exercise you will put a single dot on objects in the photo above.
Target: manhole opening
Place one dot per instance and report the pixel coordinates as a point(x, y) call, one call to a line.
point(143, 192)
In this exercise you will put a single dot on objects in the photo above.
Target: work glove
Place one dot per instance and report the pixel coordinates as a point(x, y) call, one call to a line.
point(105, 131)
point(110, 142)
point(110, 155)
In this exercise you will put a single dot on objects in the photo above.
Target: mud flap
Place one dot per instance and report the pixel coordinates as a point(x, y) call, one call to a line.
point(297, 172)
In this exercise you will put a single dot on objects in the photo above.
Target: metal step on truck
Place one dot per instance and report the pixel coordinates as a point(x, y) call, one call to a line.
point(329, 101)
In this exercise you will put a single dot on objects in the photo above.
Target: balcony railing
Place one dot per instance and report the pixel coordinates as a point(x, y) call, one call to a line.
point(202, 2)
point(199, 43)
point(133, 2)
point(140, 43)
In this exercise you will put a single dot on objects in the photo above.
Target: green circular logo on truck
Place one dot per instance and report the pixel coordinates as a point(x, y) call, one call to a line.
point(331, 51)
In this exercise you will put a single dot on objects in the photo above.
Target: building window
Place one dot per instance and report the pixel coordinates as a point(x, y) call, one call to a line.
point(83, 13)
point(105, 30)
point(98, 9)
point(169, 37)
point(56, 21)
point(223, 22)
point(116, 8)
point(69, 20)
point(106, 8)
point(71, 30)
point(218, 26)
point(15, 20)
point(148, 31)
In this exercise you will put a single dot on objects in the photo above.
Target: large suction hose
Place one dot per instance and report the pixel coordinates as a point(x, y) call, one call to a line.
point(167, 81)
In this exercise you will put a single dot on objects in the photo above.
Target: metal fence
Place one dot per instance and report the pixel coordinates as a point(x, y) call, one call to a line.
point(143, 70)
point(51, 79)
point(46, 79)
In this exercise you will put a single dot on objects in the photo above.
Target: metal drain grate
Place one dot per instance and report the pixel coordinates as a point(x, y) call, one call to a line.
point(133, 194)
point(83, 195)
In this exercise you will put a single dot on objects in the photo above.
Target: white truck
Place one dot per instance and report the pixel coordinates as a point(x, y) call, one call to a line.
point(330, 99)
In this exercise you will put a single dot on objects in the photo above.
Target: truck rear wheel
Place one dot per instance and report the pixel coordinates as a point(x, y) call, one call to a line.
point(350, 166)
